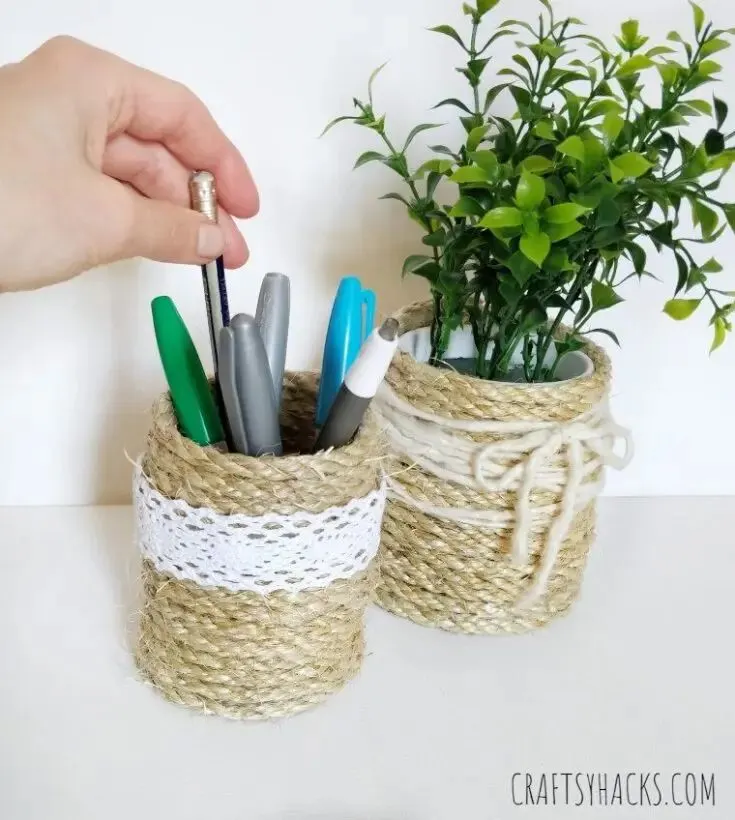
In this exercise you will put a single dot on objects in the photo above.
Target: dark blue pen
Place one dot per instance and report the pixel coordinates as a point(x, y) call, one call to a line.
point(204, 199)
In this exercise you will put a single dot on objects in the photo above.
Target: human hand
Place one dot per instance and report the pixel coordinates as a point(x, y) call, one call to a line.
point(95, 156)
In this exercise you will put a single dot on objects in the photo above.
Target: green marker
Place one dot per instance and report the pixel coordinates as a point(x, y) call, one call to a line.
point(191, 394)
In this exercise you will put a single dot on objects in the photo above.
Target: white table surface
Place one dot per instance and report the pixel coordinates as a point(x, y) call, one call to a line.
point(638, 678)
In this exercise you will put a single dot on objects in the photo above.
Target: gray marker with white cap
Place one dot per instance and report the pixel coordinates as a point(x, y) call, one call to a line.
point(360, 386)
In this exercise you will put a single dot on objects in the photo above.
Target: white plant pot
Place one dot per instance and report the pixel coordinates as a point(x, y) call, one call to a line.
point(417, 343)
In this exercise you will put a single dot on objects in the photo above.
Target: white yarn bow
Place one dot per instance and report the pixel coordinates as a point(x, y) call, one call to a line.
point(427, 441)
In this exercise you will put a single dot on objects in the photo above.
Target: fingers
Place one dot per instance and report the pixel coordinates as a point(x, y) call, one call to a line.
point(153, 109)
point(156, 109)
point(155, 172)
point(154, 229)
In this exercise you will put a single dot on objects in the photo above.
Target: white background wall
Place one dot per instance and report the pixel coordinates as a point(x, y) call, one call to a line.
point(78, 364)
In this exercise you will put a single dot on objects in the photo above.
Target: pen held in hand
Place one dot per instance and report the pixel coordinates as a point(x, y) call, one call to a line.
point(203, 193)
point(360, 386)
point(256, 397)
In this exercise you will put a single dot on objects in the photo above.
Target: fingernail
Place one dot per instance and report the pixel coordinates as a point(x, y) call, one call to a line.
point(211, 241)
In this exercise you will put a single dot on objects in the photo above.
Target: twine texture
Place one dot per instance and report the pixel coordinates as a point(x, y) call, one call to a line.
point(491, 507)
point(236, 649)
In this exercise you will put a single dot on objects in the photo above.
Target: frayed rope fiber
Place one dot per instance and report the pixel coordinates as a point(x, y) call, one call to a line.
point(492, 490)
point(243, 653)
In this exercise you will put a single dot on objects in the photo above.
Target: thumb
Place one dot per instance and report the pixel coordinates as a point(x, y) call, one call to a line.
point(162, 231)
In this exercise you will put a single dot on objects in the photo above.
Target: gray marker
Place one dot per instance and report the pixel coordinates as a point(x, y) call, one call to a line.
point(272, 318)
point(360, 386)
point(228, 387)
point(255, 389)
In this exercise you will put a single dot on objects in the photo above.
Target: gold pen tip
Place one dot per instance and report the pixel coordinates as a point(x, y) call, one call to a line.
point(203, 193)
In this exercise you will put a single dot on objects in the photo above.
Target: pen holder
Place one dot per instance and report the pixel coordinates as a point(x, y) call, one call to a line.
point(256, 571)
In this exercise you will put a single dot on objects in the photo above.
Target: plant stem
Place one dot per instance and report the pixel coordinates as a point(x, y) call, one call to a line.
point(473, 56)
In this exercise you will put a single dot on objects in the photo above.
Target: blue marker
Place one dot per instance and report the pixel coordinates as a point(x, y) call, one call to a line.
point(351, 322)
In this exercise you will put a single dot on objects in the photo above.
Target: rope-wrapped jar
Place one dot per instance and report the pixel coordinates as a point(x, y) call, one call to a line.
point(256, 571)
point(492, 488)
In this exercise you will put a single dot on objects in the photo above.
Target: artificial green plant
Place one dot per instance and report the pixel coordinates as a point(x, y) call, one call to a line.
point(557, 206)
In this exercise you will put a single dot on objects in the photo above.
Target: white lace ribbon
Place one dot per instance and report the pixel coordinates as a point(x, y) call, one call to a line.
point(257, 553)
point(525, 459)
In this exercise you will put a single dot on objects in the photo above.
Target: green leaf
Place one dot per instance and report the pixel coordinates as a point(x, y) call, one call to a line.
point(608, 213)
point(669, 73)
point(720, 112)
point(369, 156)
point(603, 107)
point(661, 234)
point(334, 122)
point(492, 95)
point(713, 46)
point(714, 142)
point(432, 181)
point(537, 164)
point(637, 255)
point(486, 160)
point(372, 80)
point(530, 192)
point(544, 130)
point(503, 217)
point(564, 213)
point(629, 30)
point(628, 166)
point(573, 102)
point(708, 68)
point(535, 247)
point(425, 126)
point(612, 125)
point(455, 102)
point(634, 65)
point(572, 147)
point(467, 206)
point(396, 163)
point(730, 215)
point(605, 332)
point(435, 239)
point(476, 136)
point(469, 174)
point(681, 309)
point(521, 267)
point(698, 16)
point(720, 333)
point(397, 197)
point(702, 106)
point(449, 32)
point(658, 51)
point(711, 266)
point(484, 6)
point(476, 67)
point(413, 263)
point(558, 233)
point(723, 161)
point(438, 166)
point(603, 296)
point(705, 217)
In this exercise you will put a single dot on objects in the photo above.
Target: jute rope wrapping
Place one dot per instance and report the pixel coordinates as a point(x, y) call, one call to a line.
point(244, 654)
point(490, 518)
